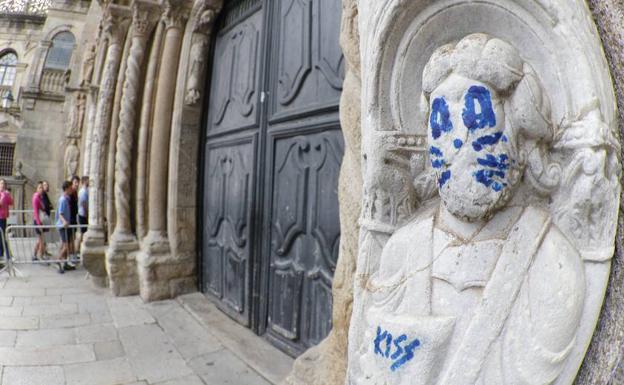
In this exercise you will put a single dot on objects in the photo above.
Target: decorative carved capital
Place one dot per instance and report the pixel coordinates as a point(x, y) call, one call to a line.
point(144, 16)
point(175, 13)
point(115, 23)
point(204, 14)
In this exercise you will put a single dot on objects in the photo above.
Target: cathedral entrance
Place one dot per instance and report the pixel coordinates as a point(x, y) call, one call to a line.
point(272, 149)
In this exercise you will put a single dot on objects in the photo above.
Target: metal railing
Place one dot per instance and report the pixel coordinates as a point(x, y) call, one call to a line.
point(20, 241)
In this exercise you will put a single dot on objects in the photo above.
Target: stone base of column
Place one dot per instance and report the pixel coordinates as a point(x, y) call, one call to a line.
point(93, 252)
point(161, 274)
point(121, 264)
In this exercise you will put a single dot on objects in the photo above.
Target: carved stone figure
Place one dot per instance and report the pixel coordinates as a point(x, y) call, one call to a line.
point(87, 66)
point(483, 286)
point(76, 116)
point(72, 157)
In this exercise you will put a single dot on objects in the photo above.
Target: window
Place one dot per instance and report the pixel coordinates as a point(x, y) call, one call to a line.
point(7, 68)
point(60, 53)
point(6, 158)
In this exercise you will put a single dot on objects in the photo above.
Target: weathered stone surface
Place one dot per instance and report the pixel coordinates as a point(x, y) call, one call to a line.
point(419, 84)
point(108, 350)
point(96, 333)
point(128, 311)
point(607, 347)
point(152, 354)
point(45, 338)
point(100, 373)
point(44, 375)
point(52, 355)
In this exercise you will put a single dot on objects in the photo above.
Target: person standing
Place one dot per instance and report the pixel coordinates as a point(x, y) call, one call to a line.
point(63, 220)
point(47, 211)
point(73, 205)
point(83, 206)
point(38, 210)
point(6, 201)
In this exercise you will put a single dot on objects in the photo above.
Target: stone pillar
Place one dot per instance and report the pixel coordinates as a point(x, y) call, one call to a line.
point(115, 26)
point(155, 246)
point(120, 256)
point(109, 213)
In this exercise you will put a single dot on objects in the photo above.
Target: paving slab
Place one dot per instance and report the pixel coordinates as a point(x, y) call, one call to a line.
point(108, 350)
point(64, 321)
point(189, 337)
point(190, 380)
point(8, 337)
point(43, 375)
point(129, 311)
point(18, 323)
point(6, 301)
point(117, 371)
point(53, 355)
point(151, 353)
point(11, 311)
point(50, 310)
point(96, 333)
point(223, 368)
point(45, 337)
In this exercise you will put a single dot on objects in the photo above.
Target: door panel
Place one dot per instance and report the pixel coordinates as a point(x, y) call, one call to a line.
point(304, 236)
point(234, 96)
point(272, 156)
point(309, 65)
point(227, 207)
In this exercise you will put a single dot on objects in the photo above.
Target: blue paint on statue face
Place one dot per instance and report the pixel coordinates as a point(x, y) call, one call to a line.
point(485, 117)
point(476, 124)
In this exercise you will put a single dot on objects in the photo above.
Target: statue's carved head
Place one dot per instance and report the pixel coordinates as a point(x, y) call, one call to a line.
point(487, 112)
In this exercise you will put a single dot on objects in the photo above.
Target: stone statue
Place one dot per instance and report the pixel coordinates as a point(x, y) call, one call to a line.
point(76, 115)
point(481, 287)
point(87, 66)
point(72, 157)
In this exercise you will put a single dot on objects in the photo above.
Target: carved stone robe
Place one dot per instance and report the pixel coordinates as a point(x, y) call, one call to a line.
point(499, 308)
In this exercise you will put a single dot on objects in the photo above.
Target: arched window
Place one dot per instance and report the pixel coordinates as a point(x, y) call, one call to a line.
point(8, 62)
point(60, 53)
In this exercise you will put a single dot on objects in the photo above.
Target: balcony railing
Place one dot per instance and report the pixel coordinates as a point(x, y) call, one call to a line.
point(52, 81)
point(24, 7)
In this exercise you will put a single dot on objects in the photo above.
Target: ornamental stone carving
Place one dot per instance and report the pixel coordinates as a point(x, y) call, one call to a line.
point(203, 16)
point(491, 188)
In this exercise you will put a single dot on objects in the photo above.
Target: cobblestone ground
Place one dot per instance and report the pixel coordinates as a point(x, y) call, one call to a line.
point(60, 330)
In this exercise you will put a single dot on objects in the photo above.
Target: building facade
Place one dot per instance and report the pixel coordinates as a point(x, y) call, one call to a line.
point(221, 139)
point(41, 46)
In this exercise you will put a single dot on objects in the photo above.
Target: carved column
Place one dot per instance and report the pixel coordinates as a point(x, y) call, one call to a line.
point(156, 245)
point(183, 149)
point(120, 265)
point(115, 26)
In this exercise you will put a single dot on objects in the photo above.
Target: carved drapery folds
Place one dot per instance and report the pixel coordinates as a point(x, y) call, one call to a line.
point(143, 19)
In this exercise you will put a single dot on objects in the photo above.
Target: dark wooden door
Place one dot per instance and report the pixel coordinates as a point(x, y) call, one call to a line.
point(272, 156)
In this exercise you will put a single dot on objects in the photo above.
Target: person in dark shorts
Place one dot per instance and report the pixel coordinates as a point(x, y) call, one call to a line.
point(6, 201)
point(63, 217)
point(73, 205)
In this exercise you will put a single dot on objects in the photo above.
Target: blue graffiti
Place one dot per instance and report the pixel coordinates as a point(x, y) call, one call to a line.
point(440, 118)
point(486, 140)
point(444, 177)
point(402, 353)
point(495, 170)
point(486, 117)
point(433, 150)
point(457, 143)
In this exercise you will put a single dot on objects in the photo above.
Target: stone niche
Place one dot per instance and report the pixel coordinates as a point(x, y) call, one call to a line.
point(491, 192)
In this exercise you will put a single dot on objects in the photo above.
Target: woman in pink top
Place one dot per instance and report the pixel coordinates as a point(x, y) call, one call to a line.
point(6, 201)
point(37, 204)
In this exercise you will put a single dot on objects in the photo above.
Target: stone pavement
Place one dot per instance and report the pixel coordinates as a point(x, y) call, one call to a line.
point(60, 330)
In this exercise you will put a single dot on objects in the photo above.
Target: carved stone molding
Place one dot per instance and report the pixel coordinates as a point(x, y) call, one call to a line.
point(175, 13)
point(204, 14)
point(115, 21)
point(144, 16)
